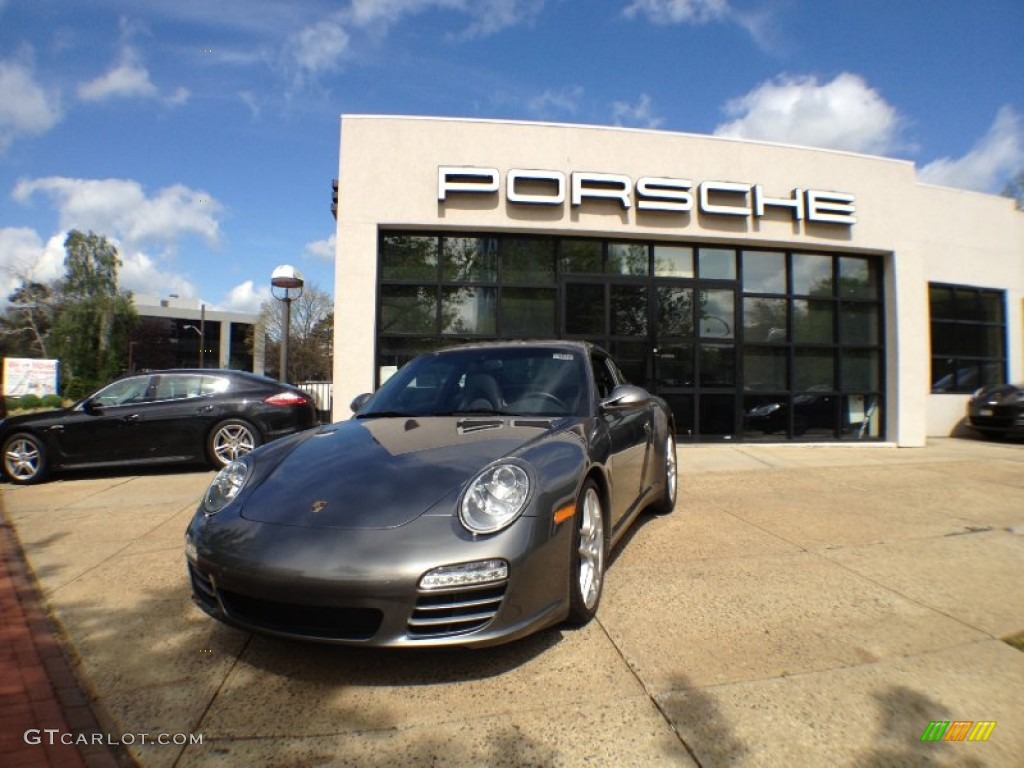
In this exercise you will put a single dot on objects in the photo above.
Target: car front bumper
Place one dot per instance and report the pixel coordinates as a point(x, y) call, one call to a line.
point(362, 587)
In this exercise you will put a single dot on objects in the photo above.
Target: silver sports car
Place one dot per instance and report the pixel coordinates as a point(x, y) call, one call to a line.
point(472, 500)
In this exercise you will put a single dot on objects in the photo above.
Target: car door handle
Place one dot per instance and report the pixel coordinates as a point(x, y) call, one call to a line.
point(204, 409)
point(133, 419)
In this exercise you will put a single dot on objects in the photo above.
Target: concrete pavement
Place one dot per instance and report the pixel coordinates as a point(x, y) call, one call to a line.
point(803, 606)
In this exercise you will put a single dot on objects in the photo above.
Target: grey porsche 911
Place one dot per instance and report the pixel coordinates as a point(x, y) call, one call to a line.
point(472, 500)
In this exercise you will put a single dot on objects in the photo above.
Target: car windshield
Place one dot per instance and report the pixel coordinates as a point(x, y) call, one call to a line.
point(517, 381)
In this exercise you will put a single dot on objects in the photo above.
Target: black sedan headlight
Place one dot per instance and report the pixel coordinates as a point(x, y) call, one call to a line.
point(495, 498)
point(225, 486)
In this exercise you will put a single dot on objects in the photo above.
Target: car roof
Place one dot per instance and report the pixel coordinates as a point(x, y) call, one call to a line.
point(207, 372)
point(585, 347)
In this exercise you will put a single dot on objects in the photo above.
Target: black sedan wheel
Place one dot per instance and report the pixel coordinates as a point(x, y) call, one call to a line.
point(588, 556)
point(667, 502)
point(231, 440)
point(24, 459)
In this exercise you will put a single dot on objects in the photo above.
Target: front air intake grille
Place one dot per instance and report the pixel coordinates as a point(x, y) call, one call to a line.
point(440, 614)
point(321, 621)
point(202, 588)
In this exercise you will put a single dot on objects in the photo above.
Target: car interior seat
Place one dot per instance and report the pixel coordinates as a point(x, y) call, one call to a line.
point(481, 393)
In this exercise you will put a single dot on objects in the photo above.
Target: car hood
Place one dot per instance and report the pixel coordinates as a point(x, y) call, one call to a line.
point(37, 419)
point(1001, 394)
point(383, 472)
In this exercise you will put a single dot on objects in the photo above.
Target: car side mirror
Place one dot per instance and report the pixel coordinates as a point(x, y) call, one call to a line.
point(92, 407)
point(360, 400)
point(626, 396)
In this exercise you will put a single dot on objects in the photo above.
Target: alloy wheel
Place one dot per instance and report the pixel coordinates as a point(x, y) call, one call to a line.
point(591, 549)
point(21, 459)
point(233, 441)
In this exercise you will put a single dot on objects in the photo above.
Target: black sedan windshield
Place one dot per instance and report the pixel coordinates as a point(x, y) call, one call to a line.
point(534, 381)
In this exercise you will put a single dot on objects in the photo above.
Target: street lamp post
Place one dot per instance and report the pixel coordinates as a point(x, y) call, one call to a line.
point(286, 285)
point(202, 341)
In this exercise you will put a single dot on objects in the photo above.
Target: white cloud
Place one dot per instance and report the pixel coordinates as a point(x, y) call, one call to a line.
point(24, 256)
point(322, 249)
point(128, 79)
point(999, 153)
point(678, 11)
point(843, 114)
point(252, 102)
point(26, 109)
point(638, 115)
point(488, 16)
point(561, 102)
point(320, 46)
point(121, 209)
point(140, 273)
point(245, 298)
point(759, 24)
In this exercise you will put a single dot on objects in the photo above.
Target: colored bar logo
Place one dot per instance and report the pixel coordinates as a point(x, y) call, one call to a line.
point(958, 730)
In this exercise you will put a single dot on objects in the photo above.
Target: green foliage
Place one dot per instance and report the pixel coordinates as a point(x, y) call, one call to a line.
point(32, 402)
point(91, 331)
point(53, 401)
point(76, 389)
point(1015, 189)
point(25, 402)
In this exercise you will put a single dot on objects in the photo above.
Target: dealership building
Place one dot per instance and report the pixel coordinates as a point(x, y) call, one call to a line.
point(767, 292)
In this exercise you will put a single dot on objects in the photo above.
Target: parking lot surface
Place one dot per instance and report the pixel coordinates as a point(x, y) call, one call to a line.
point(811, 606)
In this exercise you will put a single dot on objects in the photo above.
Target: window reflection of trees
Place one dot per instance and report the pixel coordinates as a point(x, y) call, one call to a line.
point(470, 259)
point(627, 258)
point(409, 257)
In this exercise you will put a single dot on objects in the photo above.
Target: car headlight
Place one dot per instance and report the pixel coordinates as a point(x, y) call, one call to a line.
point(225, 487)
point(495, 498)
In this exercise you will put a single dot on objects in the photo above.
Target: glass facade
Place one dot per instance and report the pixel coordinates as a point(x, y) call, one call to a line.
point(744, 344)
point(968, 328)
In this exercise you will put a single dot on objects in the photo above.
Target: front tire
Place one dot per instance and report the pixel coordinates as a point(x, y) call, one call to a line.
point(231, 439)
point(24, 459)
point(588, 556)
point(670, 479)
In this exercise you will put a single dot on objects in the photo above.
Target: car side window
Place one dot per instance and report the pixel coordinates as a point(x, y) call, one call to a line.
point(178, 387)
point(603, 378)
point(212, 385)
point(124, 392)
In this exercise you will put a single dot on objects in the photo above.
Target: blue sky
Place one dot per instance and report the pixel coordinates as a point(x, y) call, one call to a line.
point(202, 135)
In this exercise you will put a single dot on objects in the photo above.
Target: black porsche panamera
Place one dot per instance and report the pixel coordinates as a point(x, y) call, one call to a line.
point(159, 417)
point(472, 500)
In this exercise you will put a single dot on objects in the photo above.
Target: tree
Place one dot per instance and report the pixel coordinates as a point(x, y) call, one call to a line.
point(310, 347)
point(29, 316)
point(91, 331)
point(1015, 188)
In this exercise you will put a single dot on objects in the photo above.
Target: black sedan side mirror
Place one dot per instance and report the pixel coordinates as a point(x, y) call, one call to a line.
point(359, 401)
point(626, 396)
point(92, 407)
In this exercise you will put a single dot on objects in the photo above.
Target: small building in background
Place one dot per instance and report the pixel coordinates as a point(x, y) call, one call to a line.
point(174, 332)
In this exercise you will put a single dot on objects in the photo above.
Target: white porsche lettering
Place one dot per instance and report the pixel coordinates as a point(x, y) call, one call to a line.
point(518, 179)
point(650, 193)
point(657, 193)
point(603, 186)
point(454, 178)
point(731, 190)
point(831, 207)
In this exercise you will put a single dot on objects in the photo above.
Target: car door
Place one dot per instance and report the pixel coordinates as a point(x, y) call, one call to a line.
point(173, 425)
point(100, 430)
point(630, 431)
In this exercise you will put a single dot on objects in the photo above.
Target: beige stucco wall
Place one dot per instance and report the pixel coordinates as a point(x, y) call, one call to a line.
point(388, 178)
